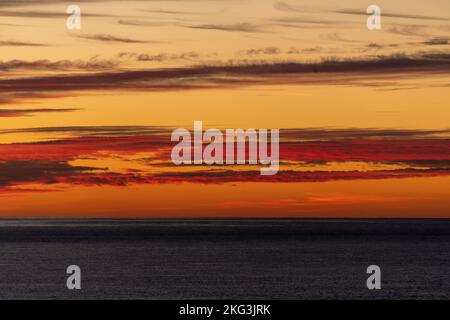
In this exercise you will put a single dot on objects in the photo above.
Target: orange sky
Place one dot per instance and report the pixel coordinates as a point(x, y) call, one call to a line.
point(86, 115)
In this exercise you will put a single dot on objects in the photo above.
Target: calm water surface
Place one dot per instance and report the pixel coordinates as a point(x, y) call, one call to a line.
point(222, 259)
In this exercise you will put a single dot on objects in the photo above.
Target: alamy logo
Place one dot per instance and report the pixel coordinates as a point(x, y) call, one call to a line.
point(74, 280)
point(237, 146)
point(74, 20)
point(374, 20)
point(374, 280)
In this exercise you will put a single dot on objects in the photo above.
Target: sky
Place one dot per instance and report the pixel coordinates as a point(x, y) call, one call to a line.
point(86, 115)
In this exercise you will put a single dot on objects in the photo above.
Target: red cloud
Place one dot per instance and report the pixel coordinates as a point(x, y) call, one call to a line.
point(49, 162)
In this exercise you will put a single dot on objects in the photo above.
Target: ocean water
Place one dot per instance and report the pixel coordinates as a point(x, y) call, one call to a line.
point(225, 259)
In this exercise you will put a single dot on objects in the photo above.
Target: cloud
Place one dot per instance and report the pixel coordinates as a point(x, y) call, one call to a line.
point(230, 176)
point(411, 153)
point(437, 41)
point(408, 30)
point(13, 25)
point(305, 21)
point(45, 173)
point(294, 50)
point(261, 51)
point(274, 51)
point(13, 43)
point(428, 163)
point(140, 23)
point(230, 74)
point(87, 141)
point(283, 6)
point(19, 172)
point(110, 38)
point(47, 14)
point(104, 131)
point(335, 36)
point(164, 57)
point(238, 27)
point(382, 150)
point(170, 12)
point(321, 134)
point(394, 15)
point(26, 112)
point(373, 45)
point(93, 64)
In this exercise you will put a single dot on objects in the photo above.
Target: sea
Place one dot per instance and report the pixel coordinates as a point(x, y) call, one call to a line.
point(252, 259)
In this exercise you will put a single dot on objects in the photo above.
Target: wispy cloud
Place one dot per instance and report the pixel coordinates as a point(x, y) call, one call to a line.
point(110, 38)
point(261, 51)
point(437, 41)
point(164, 56)
point(283, 6)
point(335, 36)
point(93, 64)
point(13, 43)
point(238, 27)
point(19, 172)
point(46, 14)
point(408, 30)
point(160, 11)
point(306, 21)
point(394, 15)
point(13, 25)
point(141, 23)
point(93, 131)
point(352, 71)
point(27, 112)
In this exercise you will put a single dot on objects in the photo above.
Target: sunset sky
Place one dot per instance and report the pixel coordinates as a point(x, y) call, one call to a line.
point(86, 115)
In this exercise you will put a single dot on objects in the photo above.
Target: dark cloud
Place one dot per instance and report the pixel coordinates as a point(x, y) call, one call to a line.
point(288, 135)
point(238, 27)
point(12, 43)
point(437, 41)
point(375, 46)
point(231, 74)
point(360, 133)
point(305, 21)
point(37, 171)
point(93, 64)
point(261, 51)
point(274, 51)
point(443, 164)
point(46, 14)
point(229, 176)
point(141, 23)
point(110, 38)
point(41, 172)
point(95, 130)
point(170, 12)
point(394, 15)
point(304, 50)
point(163, 57)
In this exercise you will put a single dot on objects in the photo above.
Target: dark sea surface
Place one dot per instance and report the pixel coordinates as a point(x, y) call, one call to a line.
point(225, 259)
